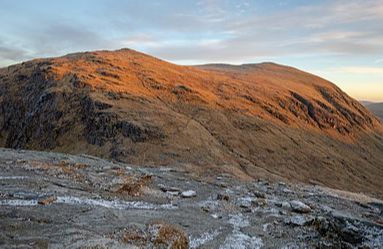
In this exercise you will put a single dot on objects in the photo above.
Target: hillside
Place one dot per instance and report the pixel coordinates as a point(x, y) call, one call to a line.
point(254, 121)
point(376, 108)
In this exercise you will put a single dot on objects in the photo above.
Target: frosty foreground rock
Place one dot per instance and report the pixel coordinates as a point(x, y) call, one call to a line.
point(95, 203)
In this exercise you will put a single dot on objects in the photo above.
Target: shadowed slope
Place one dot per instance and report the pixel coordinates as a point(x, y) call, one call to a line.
point(262, 120)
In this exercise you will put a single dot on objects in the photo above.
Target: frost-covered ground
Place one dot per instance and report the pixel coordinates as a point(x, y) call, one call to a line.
point(50, 200)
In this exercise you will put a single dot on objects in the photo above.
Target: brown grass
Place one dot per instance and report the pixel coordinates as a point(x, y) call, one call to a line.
point(133, 185)
point(47, 200)
point(134, 236)
point(156, 235)
point(170, 235)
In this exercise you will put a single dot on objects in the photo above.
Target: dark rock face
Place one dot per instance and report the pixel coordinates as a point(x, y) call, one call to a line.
point(326, 117)
point(354, 119)
point(35, 116)
point(40, 115)
point(102, 126)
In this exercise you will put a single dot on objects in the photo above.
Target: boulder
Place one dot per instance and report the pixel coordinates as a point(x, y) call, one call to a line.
point(299, 220)
point(188, 194)
point(299, 207)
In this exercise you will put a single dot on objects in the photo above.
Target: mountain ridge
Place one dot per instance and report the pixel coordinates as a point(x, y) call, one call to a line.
point(264, 121)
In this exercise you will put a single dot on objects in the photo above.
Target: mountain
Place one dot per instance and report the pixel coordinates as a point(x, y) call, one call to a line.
point(253, 121)
point(376, 108)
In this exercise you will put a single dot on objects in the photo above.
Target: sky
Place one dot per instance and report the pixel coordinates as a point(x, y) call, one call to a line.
point(340, 40)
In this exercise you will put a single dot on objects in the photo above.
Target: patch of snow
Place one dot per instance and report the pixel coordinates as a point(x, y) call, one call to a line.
point(245, 202)
point(13, 177)
point(239, 240)
point(18, 203)
point(209, 204)
point(229, 191)
point(215, 216)
point(203, 239)
point(265, 227)
point(115, 204)
point(238, 221)
point(287, 191)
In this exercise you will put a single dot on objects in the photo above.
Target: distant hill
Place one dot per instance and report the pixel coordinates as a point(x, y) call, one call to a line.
point(254, 121)
point(376, 108)
point(366, 102)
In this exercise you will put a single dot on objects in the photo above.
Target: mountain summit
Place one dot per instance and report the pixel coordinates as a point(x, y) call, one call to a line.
point(254, 121)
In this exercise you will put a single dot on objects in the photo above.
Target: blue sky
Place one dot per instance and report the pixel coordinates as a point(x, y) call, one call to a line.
point(339, 40)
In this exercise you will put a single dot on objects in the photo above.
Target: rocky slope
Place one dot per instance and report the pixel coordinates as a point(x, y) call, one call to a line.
point(261, 120)
point(50, 200)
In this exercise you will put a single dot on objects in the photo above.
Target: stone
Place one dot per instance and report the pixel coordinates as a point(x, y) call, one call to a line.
point(188, 194)
point(165, 188)
point(223, 197)
point(286, 191)
point(285, 205)
point(299, 220)
point(351, 234)
point(222, 185)
point(245, 202)
point(281, 212)
point(173, 193)
point(321, 224)
point(259, 194)
point(260, 202)
point(209, 205)
point(344, 228)
point(299, 207)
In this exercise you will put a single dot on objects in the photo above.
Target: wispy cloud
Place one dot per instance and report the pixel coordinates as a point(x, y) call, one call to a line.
point(10, 54)
point(253, 29)
point(314, 35)
point(360, 70)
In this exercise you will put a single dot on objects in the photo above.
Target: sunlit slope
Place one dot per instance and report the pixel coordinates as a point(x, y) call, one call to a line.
point(260, 120)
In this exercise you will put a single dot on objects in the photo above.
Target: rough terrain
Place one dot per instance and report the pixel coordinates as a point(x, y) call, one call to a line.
point(259, 120)
point(50, 200)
